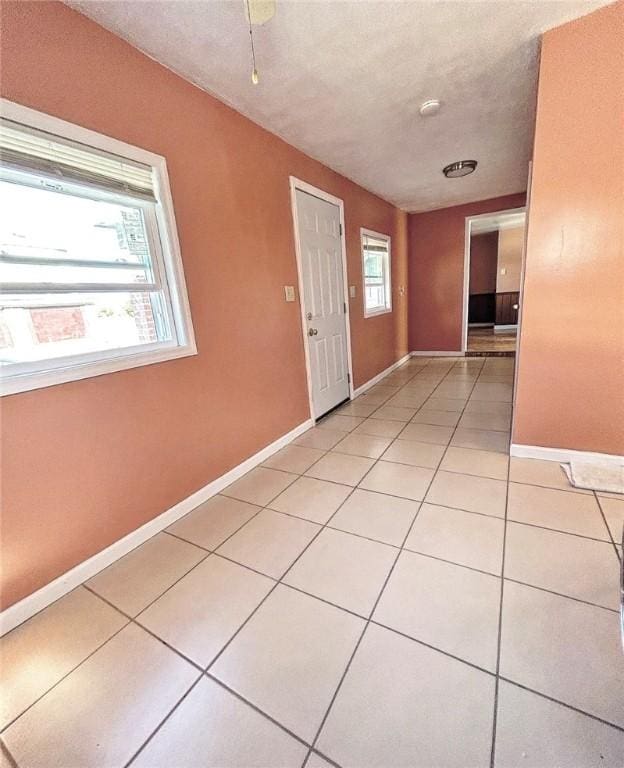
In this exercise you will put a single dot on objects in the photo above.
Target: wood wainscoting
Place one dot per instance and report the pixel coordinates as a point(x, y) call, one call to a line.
point(482, 308)
point(507, 308)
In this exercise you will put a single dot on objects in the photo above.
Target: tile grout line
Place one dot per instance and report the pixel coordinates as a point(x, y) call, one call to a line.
point(279, 581)
point(136, 622)
point(386, 544)
point(439, 468)
point(71, 671)
point(133, 620)
point(353, 488)
point(561, 594)
point(4, 750)
point(448, 654)
point(604, 518)
point(163, 721)
point(255, 707)
point(374, 606)
point(502, 574)
point(376, 461)
point(571, 707)
point(395, 546)
point(556, 530)
point(446, 506)
point(500, 619)
point(205, 669)
point(368, 622)
point(357, 644)
point(359, 641)
point(269, 593)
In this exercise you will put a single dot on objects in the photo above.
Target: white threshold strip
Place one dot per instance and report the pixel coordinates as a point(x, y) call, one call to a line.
point(566, 455)
point(437, 353)
point(24, 609)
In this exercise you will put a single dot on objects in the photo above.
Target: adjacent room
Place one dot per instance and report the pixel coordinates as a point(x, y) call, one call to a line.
point(311, 375)
point(495, 250)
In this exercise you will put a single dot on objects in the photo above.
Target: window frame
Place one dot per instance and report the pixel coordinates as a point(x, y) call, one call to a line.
point(387, 309)
point(167, 265)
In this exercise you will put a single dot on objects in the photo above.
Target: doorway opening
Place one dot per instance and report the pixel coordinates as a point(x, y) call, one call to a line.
point(492, 282)
point(318, 220)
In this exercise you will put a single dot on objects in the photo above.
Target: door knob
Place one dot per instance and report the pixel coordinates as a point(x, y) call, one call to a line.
point(312, 332)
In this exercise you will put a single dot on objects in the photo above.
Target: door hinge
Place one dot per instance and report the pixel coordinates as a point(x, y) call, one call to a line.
point(340, 228)
point(349, 378)
point(344, 304)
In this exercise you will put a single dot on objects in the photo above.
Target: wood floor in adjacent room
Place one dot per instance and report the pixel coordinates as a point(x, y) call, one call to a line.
point(483, 341)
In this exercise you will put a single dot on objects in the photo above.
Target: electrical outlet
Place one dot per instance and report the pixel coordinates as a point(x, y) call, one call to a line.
point(289, 292)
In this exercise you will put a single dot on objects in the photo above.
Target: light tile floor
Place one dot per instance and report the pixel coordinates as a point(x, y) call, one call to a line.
point(389, 590)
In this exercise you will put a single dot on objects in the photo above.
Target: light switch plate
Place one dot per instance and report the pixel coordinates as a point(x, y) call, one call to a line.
point(503, 271)
point(351, 291)
point(289, 292)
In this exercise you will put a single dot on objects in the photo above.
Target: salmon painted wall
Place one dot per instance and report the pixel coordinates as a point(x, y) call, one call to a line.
point(436, 272)
point(85, 463)
point(570, 383)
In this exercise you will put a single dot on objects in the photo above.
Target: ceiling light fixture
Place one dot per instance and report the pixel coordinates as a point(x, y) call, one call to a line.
point(459, 169)
point(429, 107)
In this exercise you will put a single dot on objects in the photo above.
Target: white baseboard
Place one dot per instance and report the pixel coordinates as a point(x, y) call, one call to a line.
point(565, 455)
point(442, 353)
point(376, 379)
point(29, 606)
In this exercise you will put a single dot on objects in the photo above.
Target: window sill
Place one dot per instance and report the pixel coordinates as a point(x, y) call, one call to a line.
point(378, 312)
point(75, 370)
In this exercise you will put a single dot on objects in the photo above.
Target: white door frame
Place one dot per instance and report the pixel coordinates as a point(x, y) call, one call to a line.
point(522, 273)
point(467, 232)
point(303, 186)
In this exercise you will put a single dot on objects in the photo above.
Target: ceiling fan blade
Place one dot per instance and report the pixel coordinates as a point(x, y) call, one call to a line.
point(258, 12)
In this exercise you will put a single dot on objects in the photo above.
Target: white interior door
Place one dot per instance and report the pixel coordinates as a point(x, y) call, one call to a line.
point(320, 248)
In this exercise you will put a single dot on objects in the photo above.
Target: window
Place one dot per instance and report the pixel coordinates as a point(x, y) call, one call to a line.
point(376, 269)
point(90, 274)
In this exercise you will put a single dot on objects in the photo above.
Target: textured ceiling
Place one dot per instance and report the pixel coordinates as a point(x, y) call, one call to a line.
point(343, 81)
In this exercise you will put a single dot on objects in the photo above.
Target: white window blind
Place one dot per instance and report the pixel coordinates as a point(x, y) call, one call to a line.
point(27, 149)
point(91, 279)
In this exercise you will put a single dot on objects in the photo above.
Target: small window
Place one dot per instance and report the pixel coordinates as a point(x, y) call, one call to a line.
point(376, 270)
point(90, 274)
